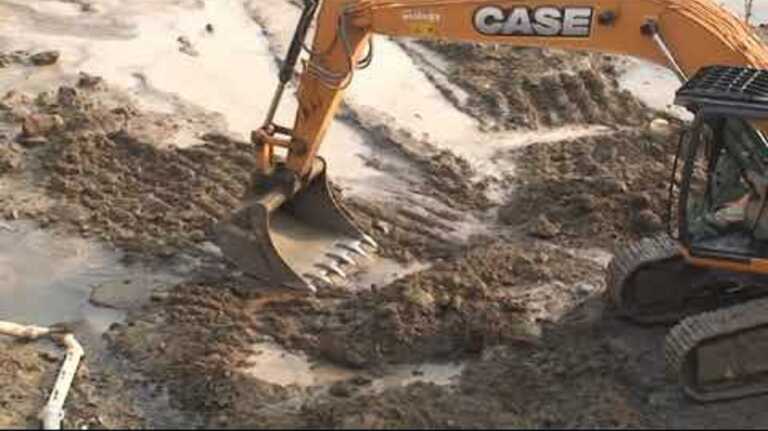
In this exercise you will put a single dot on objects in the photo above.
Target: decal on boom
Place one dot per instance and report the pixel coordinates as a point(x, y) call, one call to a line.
point(544, 21)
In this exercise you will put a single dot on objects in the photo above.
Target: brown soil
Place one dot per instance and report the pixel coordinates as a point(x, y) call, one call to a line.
point(110, 182)
point(511, 87)
point(594, 191)
point(542, 348)
point(28, 372)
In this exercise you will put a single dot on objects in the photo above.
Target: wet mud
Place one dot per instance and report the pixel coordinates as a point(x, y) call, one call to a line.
point(491, 313)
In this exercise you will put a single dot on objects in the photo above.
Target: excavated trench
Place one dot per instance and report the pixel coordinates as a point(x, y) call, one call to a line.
point(496, 194)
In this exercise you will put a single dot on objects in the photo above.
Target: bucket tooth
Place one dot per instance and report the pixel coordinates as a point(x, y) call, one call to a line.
point(332, 268)
point(369, 241)
point(341, 257)
point(354, 247)
point(283, 228)
point(324, 279)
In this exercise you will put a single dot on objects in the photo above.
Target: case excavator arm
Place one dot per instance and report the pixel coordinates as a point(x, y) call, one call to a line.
point(683, 35)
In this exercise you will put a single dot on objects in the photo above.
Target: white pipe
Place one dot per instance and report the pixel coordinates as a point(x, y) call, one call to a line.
point(53, 412)
point(22, 331)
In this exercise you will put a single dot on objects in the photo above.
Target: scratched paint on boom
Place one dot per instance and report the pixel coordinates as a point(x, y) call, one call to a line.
point(543, 21)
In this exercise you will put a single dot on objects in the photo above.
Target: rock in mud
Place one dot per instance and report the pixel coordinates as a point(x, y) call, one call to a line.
point(119, 294)
point(89, 81)
point(35, 125)
point(45, 58)
point(185, 46)
point(661, 127)
point(32, 141)
point(11, 159)
point(647, 222)
point(544, 228)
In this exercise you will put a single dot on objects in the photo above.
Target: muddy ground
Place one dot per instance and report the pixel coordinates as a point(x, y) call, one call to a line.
point(519, 305)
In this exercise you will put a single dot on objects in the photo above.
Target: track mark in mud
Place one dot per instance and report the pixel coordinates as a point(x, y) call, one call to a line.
point(511, 87)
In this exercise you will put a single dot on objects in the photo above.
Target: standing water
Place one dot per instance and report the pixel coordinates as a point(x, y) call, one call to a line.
point(47, 279)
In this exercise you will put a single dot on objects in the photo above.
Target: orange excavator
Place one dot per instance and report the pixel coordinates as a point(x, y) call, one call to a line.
point(707, 275)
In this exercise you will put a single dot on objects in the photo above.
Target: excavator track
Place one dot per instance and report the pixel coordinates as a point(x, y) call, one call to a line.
point(722, 354)
point(650, 282)
point(650, 266)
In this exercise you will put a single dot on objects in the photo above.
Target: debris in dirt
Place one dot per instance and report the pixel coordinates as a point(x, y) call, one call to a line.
point(52, 357)
point(45, 58)
point(32, 141)
point(37, 125)
point(661, 127)
point(16, 105)
point(543, 228)
point(15, 57)
point(89, 81)
point(343, 389)
point(185, 46)
point(11, 158)
point(646, 222)
point(382, 226)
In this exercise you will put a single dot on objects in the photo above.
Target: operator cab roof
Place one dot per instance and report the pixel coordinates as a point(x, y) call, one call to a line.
point(728, 90)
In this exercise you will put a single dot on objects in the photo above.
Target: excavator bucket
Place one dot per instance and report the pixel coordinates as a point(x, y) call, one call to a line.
point(298, 239)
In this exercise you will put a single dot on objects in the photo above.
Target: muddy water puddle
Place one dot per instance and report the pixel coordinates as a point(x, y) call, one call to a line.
point(47, 279)
point(273, 364)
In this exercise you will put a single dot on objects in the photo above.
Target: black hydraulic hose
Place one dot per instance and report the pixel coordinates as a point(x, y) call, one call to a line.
point(286, 72)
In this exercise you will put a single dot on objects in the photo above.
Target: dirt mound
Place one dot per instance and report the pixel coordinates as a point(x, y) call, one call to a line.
point(486, 297)
point(568, 381)
point(482, 298)
point(593, 191)
point(512, 87)
point(106, 166)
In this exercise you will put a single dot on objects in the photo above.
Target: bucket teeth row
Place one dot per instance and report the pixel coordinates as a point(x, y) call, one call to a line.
point(335, 262)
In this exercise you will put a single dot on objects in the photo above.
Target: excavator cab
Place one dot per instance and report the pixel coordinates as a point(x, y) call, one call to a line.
point(723, 199)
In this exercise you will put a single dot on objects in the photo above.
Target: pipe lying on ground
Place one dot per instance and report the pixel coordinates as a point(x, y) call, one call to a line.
point(53, 412)
point(22, 331)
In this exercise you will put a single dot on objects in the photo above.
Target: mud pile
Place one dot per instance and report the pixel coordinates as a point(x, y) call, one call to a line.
point(112, 181)
point(21, 57)
point(488, 296)
point(593, 191)
point(511, 87)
